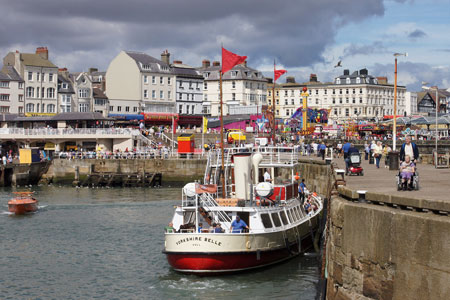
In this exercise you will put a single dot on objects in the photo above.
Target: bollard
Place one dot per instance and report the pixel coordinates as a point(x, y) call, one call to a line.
point(362, 196)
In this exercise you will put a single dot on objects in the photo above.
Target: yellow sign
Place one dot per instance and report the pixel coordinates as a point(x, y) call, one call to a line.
point(49, 146)
point(205, 124)
point(28, 114)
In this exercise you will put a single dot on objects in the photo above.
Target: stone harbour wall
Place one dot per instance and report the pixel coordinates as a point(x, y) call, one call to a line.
point(385, 252)
point(172, 170)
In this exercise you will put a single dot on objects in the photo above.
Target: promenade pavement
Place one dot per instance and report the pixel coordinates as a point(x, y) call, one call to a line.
point(434, 183)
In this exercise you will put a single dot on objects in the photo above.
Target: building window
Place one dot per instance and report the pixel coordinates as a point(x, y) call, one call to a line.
point(111, 108)
point(50, 77)
point(38, 76)
point(292, 102)
point(20, 85)
point(42, 93)
point(346, 91)
point(233, 96)
point(119, 108)
point(285, 101)
point(20, 109)
point(30, 92)
point(278, 102)
point(134, 109)
point(347, 81)
point(360, 91)
point(233, 84)
point(4, 97)
point(340, 100)
point(340, 91)
point(317, 101)
point(334, 92)
point(20, 98)
point(205, 86)
point(83, 107)
point(338, 81)
point(346, 100)
point(161, 94)
point(169, 95)
point(335, 112)
point(325, 91)
point(4, 109)
point(50, 93)
point(127, 108)
point(29, 107)
point(334, 100)
point(153, 79)
point(285, 93)
point(354, 91)
point(161, 80)
point(169, 80)
point(145, 94)
point(153, 94)
point(360, 100)
point(4, 84)
point(180, 96)
point(30, 76)
point(51, 108)
point(347, 112)
point(83, 93)
point(180, 109)
point(353, 100)
point(145, 79)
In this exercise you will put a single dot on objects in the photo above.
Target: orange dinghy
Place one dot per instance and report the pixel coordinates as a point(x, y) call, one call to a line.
point(23, 203)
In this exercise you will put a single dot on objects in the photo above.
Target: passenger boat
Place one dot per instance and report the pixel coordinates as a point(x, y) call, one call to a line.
point(23, 203)
point(279, 226)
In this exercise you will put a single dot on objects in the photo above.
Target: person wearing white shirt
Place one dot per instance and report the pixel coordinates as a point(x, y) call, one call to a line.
point(267, 177)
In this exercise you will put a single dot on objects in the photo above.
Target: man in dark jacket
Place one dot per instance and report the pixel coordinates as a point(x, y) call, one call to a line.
point(409, 148)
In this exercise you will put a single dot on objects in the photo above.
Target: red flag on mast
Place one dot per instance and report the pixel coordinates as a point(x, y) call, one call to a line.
point(229, 60)
point(277, 74)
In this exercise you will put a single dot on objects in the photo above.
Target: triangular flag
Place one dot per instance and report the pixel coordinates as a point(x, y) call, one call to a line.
point(278, 73)
point(229, 60)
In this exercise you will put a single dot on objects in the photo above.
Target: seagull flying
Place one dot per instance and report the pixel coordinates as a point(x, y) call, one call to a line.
point(339, 64)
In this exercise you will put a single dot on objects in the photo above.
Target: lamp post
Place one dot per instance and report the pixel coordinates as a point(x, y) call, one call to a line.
point(394, 131)
point(437, 106)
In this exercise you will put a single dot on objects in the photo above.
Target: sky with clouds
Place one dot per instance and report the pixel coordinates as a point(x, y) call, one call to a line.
point(303, 36)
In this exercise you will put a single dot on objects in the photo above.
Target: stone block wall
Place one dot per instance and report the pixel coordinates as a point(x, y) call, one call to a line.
point(381, 252)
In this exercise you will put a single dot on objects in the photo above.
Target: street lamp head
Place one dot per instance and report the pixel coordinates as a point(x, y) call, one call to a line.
point(400, 54)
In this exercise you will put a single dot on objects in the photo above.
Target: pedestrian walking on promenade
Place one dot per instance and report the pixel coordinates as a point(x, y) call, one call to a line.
point(377, 153)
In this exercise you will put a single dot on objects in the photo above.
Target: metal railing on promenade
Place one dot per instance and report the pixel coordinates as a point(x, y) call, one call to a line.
point(69, 131)
point(151, 154)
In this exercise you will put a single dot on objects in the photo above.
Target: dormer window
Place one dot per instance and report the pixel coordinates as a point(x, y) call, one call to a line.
point(146, 67)
point(347, 80)
point(338, 81)
point(375, 81)
point(358, 80)
point(64, 85)
point(233, 73)
point(206, 74)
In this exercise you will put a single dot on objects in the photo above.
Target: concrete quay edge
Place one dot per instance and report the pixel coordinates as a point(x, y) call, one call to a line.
point(419, 204)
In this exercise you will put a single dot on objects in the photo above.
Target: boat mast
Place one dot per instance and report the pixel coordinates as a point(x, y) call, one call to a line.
point(274, 123)
point(221, 135)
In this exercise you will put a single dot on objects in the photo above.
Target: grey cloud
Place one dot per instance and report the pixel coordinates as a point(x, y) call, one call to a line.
point(375, 47)
point(413, 74)
point(90, 33)
point(417, 34)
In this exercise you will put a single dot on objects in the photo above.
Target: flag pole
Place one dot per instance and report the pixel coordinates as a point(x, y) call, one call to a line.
point(274, 124)
point(221, 135)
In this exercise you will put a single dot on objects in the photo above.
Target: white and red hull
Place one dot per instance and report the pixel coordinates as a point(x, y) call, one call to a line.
point(223, 253)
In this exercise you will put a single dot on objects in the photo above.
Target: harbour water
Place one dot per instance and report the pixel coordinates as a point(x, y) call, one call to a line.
point(106, 244)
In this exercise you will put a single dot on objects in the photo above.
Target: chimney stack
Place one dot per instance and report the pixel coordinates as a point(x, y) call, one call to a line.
point(64, 72)
point(363, 72)
point(206, 63)
point(290, 79)
point(177, 62)
point(216, 63)
point(313, 78)
point(92, 70)
point(382, 80)
point(42, 52)
point(165, 57)
point(346, 72)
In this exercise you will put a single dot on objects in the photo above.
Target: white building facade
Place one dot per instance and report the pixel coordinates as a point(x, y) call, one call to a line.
point(242, 87)
point(189, 89)
point(137, 82)
point(11, 91)
point(411, 103)
point(355, 96)
point(40, 80)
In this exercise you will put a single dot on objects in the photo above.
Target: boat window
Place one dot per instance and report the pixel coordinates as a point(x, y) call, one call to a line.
point(291, 218)
point(266, 221)
point(276, 219)
point(283, 218)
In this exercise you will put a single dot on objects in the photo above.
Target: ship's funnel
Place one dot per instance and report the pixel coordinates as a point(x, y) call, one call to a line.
point(256, 160)
point(242, 172)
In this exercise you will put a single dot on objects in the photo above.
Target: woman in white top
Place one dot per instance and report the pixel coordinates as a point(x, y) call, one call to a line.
point(377, 152)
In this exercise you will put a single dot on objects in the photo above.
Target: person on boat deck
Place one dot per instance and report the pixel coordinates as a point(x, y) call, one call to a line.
point(200, 227)
point(267, 176)
point(301, 191)
point(218, 228)
point(237, 225)
point(170, 228)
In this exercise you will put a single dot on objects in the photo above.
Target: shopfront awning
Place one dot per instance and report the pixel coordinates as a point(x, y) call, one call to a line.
point(159, 116)
point(127, 117)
